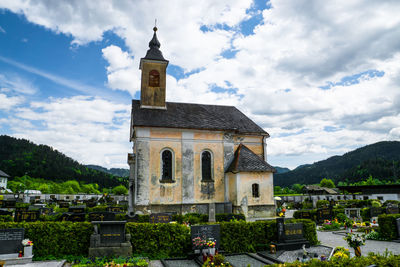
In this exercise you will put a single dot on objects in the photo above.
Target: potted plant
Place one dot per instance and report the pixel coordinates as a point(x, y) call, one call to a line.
point(355, 241)
point(28, 245)
point(211, 246)
point(198, 244)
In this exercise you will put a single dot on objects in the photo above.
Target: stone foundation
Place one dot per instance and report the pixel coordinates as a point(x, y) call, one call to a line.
point(257, 212)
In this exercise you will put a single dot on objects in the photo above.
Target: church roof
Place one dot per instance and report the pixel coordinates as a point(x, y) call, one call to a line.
point(246, 161)
point(3, 174)
point(154, 52)
point(195, 116)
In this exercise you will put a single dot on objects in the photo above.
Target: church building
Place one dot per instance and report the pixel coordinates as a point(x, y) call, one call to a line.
point(187, 157)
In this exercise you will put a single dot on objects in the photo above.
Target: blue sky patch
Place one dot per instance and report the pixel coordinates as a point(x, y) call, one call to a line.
point(354, 79)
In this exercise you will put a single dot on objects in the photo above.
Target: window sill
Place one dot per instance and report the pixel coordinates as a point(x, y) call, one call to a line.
point(167, 181)
point(207, 181)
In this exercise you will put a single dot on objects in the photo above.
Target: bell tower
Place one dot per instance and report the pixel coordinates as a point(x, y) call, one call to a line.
point(153, 84)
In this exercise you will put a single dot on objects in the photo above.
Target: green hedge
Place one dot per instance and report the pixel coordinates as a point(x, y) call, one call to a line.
point(159, 240)
point(59, 239)
point(387, 225)
point(55, 239)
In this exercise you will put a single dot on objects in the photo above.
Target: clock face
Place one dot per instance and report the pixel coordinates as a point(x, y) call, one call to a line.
point(154, 78)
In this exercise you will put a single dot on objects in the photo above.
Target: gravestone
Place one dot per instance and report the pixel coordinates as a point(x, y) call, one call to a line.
point(375, 211)
point(28, 216)
point(5, 212)
point(160, 218)
point(10, 241)
point(109, 239)
point(63, 204)
point(21, 209)
point(9, 204)
point(77, 209)
point(76, 217)
point(305, 215)
point(114, 209)
point(101, 216)
point(290, 236)
point(211, 212)
point(324, 214)
point(392, 209)
point(211, 231)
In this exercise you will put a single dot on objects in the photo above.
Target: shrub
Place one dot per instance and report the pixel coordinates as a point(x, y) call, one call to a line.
point(322, 203)
point(55, 239)
point(226, 217)
point(387, 225)
point(6, 218)
point(159, 240)
point(366, 214)
point(341, 217)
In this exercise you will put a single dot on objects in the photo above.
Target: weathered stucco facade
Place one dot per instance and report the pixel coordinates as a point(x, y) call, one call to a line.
point(176, 144)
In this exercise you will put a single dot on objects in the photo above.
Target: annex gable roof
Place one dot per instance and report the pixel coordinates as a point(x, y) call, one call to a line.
point(3, 174)
point(246, 161)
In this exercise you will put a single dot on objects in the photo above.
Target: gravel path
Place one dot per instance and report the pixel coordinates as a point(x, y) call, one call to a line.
point(336, 240)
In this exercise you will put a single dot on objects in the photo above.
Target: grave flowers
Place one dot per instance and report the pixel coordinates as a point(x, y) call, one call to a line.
point(27, 247)
point(355, 241)
point(211, 246)
point(198, 244)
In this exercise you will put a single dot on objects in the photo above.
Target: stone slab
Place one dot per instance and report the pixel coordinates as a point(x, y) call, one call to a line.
point(10, 240)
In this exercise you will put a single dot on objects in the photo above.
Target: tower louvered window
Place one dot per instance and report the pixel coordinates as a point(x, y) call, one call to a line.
point(154, 78)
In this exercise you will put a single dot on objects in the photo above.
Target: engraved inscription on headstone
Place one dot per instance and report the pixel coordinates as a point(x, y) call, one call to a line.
point(77, 209)
point(10, 240)
point(101, 216)
point(280, 227)
point(293, 231)
point(112, 233)
point(392, 209)
point(160, 218)
point(211, 231)
point(114, 209)
point(28, 216)
point(305, 215)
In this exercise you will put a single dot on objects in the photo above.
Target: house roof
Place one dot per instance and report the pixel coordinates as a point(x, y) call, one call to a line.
point(195, 116)
point(3, 174)
point(315, 188)
point(246, 161)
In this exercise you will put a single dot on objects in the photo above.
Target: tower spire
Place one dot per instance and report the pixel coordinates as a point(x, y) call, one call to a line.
point(154, 52)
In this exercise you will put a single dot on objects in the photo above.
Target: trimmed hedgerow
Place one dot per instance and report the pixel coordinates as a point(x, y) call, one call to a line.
point(387, 225)
point(159, 240)
point(55, 239)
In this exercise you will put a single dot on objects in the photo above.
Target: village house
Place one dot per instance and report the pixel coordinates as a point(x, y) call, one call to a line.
point(187, 156)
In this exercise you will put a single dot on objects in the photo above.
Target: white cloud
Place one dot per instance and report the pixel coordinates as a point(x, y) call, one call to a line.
point(2, 30)
point(90, 130)
point(17, 84)
point(9, 102)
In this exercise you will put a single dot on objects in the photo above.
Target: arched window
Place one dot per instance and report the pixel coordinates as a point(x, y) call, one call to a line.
point(255, 190)
point(154, 78)
point(167, 160)
point(206, 166)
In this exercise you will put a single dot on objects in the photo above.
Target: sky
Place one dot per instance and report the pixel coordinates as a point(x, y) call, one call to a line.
point(321, 77)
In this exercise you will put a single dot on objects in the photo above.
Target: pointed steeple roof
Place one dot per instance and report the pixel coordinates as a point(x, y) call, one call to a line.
point(154, 52)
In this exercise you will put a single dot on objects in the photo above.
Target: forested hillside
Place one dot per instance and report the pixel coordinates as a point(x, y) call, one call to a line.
point(114, 171)
point(19, 157)
point(380, 160)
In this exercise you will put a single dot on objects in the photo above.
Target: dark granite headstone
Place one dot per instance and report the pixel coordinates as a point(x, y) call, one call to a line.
point(63, 204)
point(324, 214)
point(398, 228)
point(160, 218)
point(114, 209)
point(76, 217)
point(280, 229)
point(375, 211)
point(10, 240)
point(112, 233)
point(9, 204)
point(21, 209)
point(305, 215)
point(28, 216)
point(392, 209)
point(77, 209)
point(294, 231)
point(101, 216)
point(211, 231)
point(5, 212)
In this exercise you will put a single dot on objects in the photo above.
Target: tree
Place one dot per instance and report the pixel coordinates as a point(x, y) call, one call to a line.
point(327, 183)
point(120, 190)
point(298, 188)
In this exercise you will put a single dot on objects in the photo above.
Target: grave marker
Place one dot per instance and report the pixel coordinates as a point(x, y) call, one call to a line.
point(375, 211)
point(324, 214)
point(10, 240)
point(101, 216)
point(294, 231)
point(160, 218)
point(28, 216)
point(392, 209)
point(114, 209)
point(211, 231)
point(77, 209)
